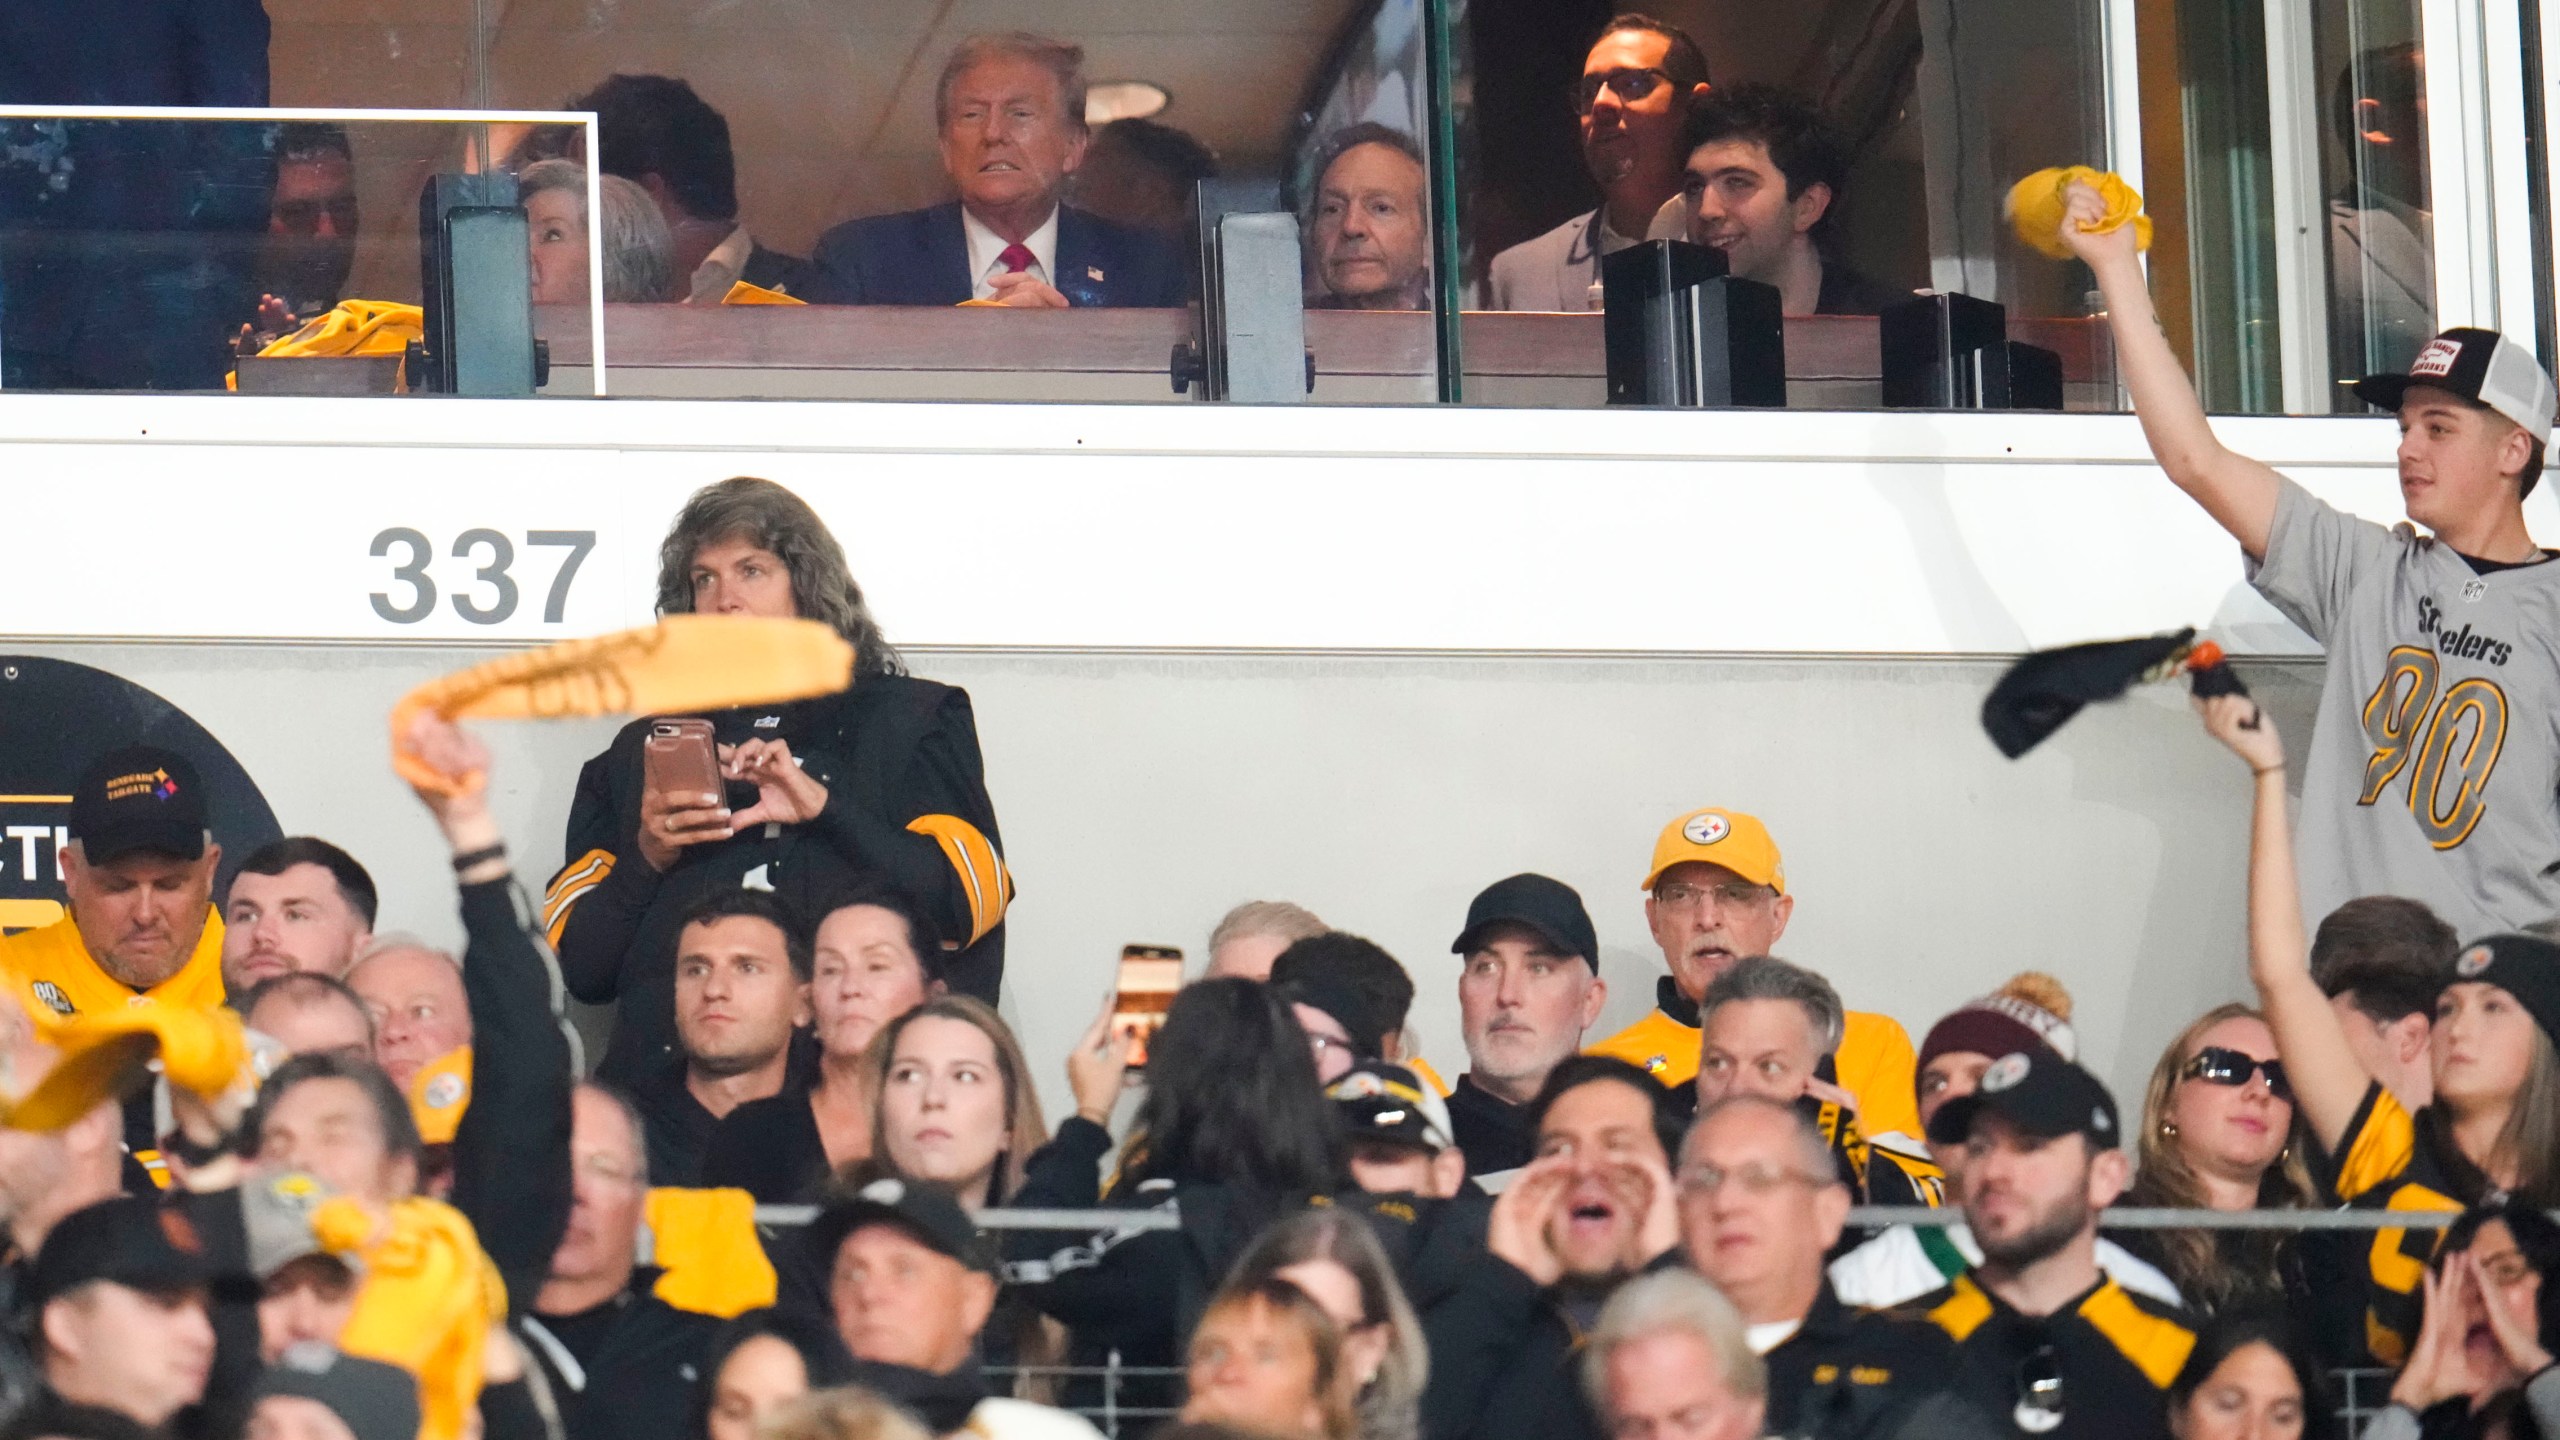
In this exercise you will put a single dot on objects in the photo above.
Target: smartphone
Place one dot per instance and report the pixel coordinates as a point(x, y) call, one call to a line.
point(679, 760)
point(1149, 974)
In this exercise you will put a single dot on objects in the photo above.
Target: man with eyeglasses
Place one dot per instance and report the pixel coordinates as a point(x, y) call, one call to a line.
point(2043, 1335)
point(1760, 1206)
point(619, 1359)
point(1640, 80)
point(1719, 894)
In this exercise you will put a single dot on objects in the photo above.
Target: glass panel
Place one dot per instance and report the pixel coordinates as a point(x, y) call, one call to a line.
point(805, 152)
point(2373, 172)
point(1850, 154)
point(2209, 187)
point(280, 253)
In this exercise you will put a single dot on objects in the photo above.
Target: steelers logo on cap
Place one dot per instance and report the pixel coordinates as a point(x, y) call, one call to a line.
point(1706, 828)
point(884, 1192)
point(2006, 1071)
point(2473, 961)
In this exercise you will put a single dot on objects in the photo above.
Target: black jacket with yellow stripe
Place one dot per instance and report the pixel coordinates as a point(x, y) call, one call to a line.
point(1868, 1375)
point(2115, 1352)
point(906, 804)
point(2391, 1160)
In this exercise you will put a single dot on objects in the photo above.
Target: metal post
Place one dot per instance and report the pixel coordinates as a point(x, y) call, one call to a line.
point(1440, 89)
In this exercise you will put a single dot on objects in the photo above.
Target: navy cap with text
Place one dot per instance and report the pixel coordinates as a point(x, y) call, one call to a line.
point(135, 799)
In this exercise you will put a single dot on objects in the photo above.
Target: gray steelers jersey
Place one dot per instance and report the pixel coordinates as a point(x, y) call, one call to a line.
point(2434, 772)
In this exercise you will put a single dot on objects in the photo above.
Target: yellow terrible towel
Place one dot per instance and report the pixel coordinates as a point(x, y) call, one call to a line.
point(683, 663)
point(706, 1242)
point(2036, 205)
point(107, 1055)
point(429, 1298)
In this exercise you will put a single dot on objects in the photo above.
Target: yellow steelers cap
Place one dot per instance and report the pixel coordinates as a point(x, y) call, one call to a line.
point(1738, 842)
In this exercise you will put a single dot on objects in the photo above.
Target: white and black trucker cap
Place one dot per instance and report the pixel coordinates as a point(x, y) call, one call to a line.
point(2478, 365)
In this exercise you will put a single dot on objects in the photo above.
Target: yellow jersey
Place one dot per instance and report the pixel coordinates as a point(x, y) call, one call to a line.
point(49, 972)
point(1875, 1061)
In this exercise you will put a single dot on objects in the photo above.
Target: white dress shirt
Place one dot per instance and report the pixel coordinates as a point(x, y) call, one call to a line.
point(986, 252)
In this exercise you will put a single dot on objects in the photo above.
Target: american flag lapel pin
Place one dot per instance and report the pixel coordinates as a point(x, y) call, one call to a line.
point(1093, 273)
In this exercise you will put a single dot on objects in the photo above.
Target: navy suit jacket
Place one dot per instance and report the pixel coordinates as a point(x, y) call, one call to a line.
point(921, 257)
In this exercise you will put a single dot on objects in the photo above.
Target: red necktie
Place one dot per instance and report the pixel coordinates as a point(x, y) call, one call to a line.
point(1017, 258)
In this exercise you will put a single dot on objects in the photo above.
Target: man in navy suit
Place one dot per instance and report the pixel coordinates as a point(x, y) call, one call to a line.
point(1011, 113)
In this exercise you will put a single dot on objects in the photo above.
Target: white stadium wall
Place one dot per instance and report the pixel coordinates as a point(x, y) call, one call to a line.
point(1368, 660)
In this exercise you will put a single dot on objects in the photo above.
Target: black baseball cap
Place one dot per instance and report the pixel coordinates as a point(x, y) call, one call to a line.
point(1550, 907)
point(378, 1401)
point(137, 1243)
point(2481, 366)
point(1379, 1101)
point(2040, 1093)
point(2522, 965)
point(929, 1213)
point(138, 798)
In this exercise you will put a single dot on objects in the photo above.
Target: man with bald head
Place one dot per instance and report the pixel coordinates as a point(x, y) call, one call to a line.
point(1761, 1206)
point(306, 1013)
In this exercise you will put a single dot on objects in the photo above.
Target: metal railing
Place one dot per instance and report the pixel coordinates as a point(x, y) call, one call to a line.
point(2360, 1392)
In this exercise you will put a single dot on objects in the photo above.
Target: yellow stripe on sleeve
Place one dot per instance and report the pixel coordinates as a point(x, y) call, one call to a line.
point(2157, 1347)
point(1963, 1312)
point(575, 880)
point(973, 857)
point(2381, 1148)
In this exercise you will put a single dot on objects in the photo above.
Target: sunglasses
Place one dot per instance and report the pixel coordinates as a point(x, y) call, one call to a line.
point(2039, 1407)
point(2216, 1065)
point(1629, 85)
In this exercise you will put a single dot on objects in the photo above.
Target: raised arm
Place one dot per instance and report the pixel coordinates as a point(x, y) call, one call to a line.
point(2238, 492)
point(2328, 1083)
point(511, 1153)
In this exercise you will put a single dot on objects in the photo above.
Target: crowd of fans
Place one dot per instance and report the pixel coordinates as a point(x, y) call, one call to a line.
point(424, 1220)
point(370, 1192)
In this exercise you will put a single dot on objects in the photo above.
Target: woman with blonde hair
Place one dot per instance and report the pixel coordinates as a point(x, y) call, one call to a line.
point(1269, 1360)
point(2219, 1133)
point(1335, 1258)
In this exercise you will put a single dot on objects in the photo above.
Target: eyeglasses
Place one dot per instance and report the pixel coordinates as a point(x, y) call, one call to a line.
point(1731, 895)
point(2216, 1065)
point(2039, 1406)
point(1629, 84)
point(1755, 1180)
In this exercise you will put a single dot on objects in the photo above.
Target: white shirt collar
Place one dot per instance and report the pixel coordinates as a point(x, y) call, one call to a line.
point(986, 249)
point(1766, 1337)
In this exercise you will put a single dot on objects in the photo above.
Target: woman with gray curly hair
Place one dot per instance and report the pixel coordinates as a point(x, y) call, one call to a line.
point(881, 783)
